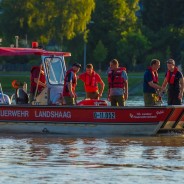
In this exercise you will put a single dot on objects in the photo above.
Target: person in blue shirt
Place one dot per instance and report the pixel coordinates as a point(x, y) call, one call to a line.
point(70, 83)
point(150, 84)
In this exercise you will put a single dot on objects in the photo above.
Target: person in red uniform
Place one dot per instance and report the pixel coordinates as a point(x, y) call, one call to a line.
point(91, 80)
point(118, 84)
point(38, 82)
point(70, 83)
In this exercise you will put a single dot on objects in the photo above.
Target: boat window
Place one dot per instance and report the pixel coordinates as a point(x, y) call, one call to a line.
point(55, 70)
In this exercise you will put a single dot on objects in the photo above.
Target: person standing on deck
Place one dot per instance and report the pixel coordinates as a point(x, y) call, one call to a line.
point(150, 84)
point(70, 83)
point(175, 81)
point(91, 80)
point(118, 84)
point(38, 82)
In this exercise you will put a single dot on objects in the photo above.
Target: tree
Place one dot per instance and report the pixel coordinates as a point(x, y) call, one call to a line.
point(132, 48)
point(163, 25)
point(112, 18)
point(157, 14)
point(100, 53)
point(11, 19)
point(45, 20)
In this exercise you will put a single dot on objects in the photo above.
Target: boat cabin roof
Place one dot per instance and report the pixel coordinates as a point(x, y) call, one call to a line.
point(8, 51)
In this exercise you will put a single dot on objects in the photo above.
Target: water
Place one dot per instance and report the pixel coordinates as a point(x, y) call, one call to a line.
point(135, 101)
point(42, 159)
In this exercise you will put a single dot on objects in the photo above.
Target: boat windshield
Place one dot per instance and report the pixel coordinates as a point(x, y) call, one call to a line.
point(55, 70)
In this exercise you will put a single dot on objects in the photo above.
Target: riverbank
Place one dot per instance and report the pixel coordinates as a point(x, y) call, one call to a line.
point(135, 80)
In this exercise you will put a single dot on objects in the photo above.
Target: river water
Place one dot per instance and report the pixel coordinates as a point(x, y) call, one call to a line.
point(42, 159)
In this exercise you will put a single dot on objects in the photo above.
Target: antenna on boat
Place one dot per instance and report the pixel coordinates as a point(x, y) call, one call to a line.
point(1, 90)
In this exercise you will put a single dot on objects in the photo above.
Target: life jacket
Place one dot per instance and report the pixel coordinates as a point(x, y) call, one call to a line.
point(90, 80)
point(74, 83)
point(115, 79)
point(171, 77)
point(154, 75)
point(41, 79)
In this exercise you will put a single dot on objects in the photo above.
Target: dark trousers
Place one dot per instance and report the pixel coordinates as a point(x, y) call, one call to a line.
point(173, 98)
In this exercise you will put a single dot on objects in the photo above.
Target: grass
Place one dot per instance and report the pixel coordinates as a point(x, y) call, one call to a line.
point(6, 79)
point(135, 81)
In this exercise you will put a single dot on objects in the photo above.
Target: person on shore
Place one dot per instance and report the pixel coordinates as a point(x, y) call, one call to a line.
point(70, 83)
point(118, 84)
point(38, 81)
point(91, 80)
point(150, 84)
point(175, 81)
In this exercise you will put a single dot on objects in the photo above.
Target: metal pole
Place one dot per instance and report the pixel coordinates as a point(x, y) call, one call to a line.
point(16, 41)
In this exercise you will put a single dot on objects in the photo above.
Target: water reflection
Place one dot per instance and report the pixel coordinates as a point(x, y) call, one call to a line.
point(149, 153)
point(47, 159)
point(173, 154)
point(135, 101)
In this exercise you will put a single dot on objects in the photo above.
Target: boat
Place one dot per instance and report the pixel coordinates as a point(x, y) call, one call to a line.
point(48, 115)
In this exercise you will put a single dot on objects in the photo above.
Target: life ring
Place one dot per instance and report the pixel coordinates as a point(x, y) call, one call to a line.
point(92, 102)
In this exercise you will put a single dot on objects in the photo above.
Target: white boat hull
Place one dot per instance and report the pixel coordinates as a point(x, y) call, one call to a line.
point(81, 129)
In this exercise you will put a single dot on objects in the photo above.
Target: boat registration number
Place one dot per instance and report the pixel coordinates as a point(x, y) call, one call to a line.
point(104, 115)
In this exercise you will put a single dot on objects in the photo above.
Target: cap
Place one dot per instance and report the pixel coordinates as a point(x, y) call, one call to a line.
point(171, 61)
point(77, 65)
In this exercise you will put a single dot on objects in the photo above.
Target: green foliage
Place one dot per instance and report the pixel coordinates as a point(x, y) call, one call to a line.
point(157, 14)
point(163, 24)
point(12, 20)
point(45, 20)
point(112, 17)
point(100, 53)
point(132, 47)
point(133, 31)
